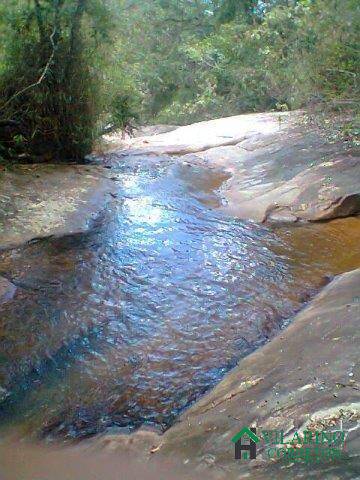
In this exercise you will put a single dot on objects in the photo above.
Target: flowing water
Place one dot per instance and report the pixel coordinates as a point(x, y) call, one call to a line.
point(131, 322)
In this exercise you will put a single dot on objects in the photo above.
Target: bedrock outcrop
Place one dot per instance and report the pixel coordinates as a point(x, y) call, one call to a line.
point(280, 169)
point(277, 170)
point(305, 378)
point(38, 201)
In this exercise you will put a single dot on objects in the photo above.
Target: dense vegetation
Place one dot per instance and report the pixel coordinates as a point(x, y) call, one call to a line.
point(51, 77)
point(69, 68)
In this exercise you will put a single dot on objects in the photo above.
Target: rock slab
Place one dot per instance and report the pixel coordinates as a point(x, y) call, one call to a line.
point(38, 201)
point(308, 375)
point(280, 169)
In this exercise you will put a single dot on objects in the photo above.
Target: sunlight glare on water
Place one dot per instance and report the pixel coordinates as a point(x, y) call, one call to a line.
point(133, 321)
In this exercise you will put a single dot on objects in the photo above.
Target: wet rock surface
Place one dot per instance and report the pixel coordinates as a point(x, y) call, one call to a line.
point(155, 304)
point(307, 377)
point(276, 171)
point(280, 170)
point(272, 170)
point(39, 201)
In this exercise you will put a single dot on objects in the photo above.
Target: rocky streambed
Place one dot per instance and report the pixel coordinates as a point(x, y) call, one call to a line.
point(131, 285)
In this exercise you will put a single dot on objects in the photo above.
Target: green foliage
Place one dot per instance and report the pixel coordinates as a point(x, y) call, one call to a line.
point(244, 9)
point(71, 68)
point(230, 57)
point(52, 85)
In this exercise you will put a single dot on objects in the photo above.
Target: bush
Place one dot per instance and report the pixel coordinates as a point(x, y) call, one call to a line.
point(291, 54)
point(52, 81)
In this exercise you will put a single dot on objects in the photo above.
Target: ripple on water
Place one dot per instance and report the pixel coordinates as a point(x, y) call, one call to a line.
point(133, 321)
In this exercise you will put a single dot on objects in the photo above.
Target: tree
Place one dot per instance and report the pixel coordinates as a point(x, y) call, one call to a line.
point(230, 9)
point(50, 83)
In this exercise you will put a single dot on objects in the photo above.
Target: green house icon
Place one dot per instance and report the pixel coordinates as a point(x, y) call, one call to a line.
point(246, 431)
point(242, 450)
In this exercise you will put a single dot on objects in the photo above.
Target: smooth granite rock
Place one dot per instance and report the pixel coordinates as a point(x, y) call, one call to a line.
point(202, 136)
point(38, 201)
point(307, 377)
point(280, 170)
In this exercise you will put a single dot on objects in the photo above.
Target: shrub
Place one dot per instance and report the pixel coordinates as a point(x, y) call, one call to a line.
point(51, 80)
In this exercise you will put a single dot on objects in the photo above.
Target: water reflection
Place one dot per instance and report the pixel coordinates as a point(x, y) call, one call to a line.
point(142, 210)
point(133, 321)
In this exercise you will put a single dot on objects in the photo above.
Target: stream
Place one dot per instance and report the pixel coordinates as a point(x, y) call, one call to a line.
point(131, 322)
